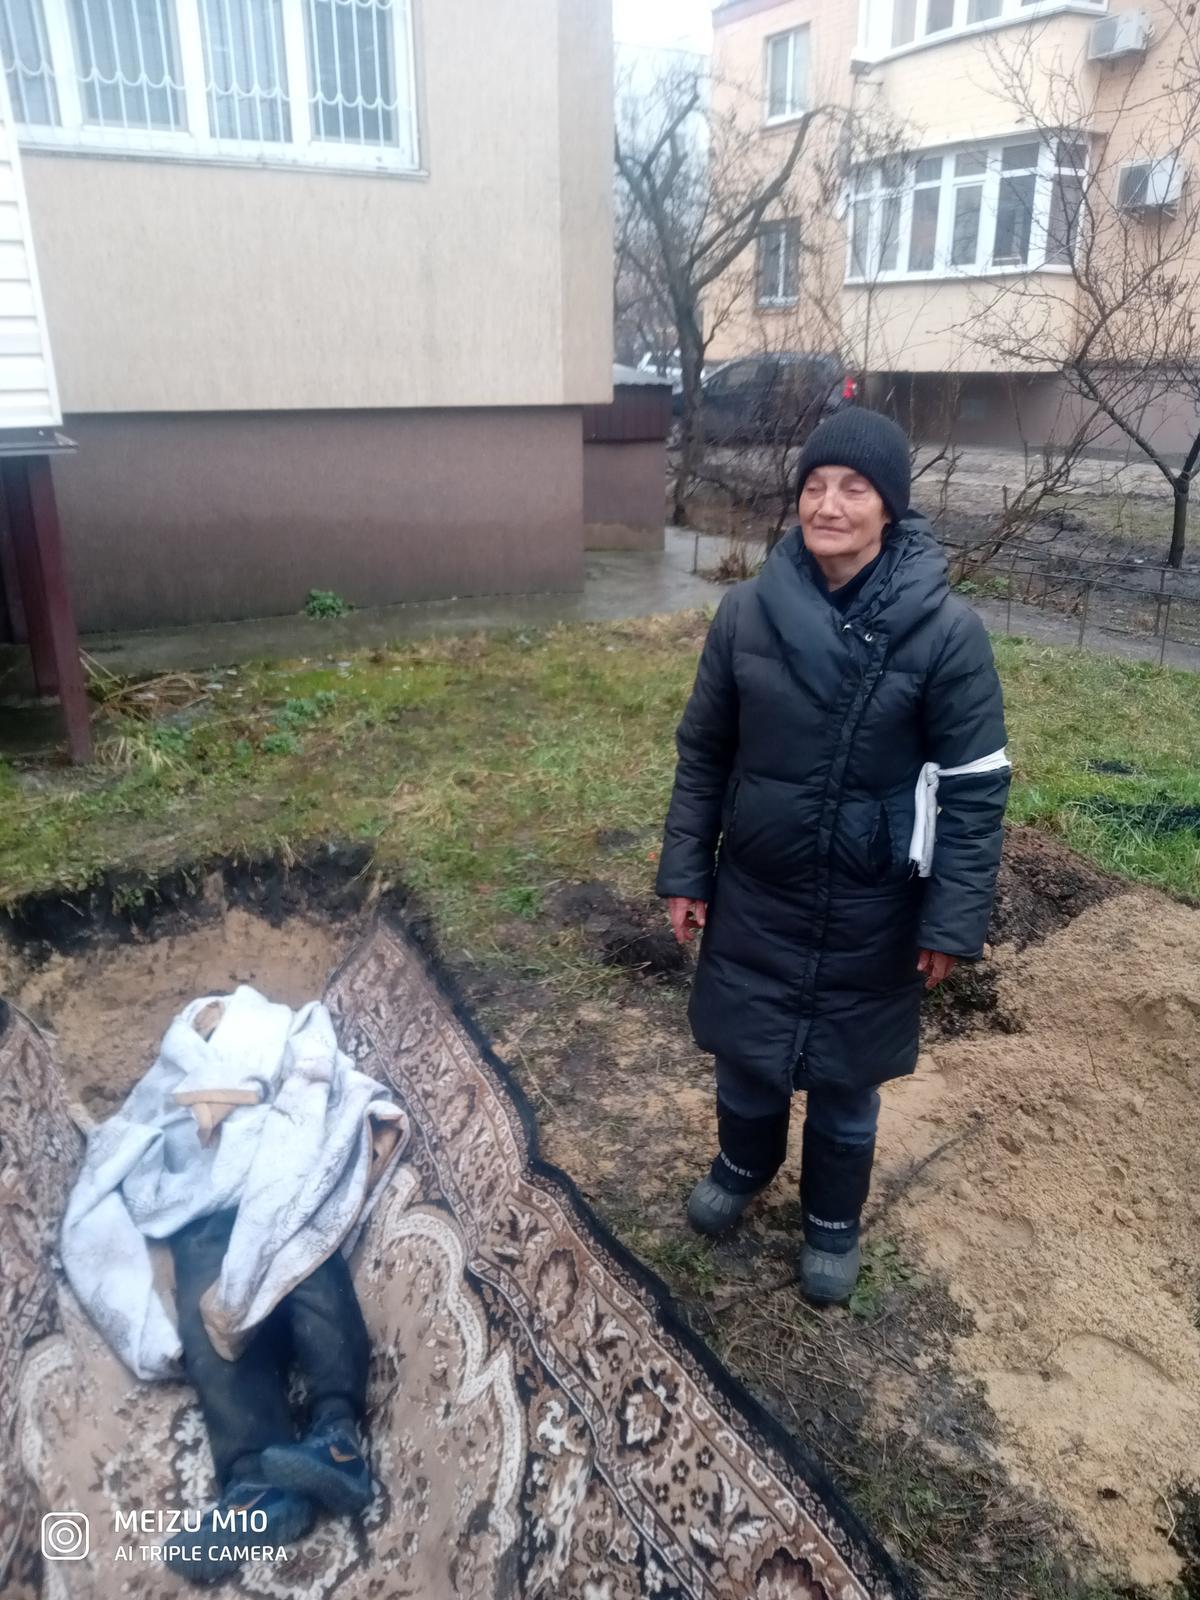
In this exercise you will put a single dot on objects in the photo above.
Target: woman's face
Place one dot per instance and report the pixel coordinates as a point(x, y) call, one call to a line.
point(842, 515)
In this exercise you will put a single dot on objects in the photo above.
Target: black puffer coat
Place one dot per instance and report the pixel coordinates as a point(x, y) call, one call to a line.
point(799, 754)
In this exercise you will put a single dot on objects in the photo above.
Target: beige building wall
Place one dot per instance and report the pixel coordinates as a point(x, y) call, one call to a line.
point(175, 286)
point(741, 31)
point(927, 326)
point(949, 90)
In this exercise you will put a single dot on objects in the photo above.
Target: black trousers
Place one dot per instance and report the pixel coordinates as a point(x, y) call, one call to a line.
point(838, 1150)
point(318, 1326)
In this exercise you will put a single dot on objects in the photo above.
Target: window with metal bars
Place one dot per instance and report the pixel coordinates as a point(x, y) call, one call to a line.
point(350, 76)
point(245, 58)
point(127, 63)
point(26, 56)
point(310, 82)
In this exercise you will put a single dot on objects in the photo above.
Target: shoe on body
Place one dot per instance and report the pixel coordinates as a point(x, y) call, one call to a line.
point(208, 1555)
point(328, 1464)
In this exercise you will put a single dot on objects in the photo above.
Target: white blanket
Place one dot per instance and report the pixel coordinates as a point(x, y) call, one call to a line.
point(294, 1157)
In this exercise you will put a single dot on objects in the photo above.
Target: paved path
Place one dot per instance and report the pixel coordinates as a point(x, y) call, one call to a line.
point(1052, 628)
point(617, 584)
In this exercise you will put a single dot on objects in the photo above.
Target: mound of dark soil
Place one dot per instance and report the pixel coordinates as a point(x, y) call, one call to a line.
point(968, 1002)
point(1042, 887)
point(622, 933)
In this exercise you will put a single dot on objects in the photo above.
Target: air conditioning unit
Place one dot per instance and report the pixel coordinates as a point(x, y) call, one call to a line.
point(1125, 33)
point(1151, 185)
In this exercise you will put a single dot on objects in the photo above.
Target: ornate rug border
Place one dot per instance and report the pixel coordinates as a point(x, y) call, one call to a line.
point(789, 1447)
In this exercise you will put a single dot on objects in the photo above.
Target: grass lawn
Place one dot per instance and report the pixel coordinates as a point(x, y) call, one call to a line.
point(482, 770)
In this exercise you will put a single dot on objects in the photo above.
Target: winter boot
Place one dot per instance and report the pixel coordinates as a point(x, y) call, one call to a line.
point(328, 1465)
point(713, 1209)
point(211, 1553)
point(752, 1152)
point(835, 1179)
point(828, 1278)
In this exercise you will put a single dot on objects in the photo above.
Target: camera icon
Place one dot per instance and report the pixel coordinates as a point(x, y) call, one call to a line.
point(65, 1536)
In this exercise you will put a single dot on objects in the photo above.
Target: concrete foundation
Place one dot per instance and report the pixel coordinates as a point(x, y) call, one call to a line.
point(177, 519)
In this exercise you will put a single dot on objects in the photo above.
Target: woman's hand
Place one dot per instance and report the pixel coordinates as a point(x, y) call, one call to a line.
point(936, 967)
point(686, 916)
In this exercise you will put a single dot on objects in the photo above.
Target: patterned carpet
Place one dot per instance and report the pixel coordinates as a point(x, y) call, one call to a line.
point(541, 1426)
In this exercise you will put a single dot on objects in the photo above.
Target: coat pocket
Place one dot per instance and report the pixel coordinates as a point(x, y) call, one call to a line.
point(901, 814)
point(880, 854)
point(731, 806)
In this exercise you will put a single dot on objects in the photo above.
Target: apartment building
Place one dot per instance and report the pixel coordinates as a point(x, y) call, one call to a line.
point(328, 284)
point(772, 61)
point(982, 190)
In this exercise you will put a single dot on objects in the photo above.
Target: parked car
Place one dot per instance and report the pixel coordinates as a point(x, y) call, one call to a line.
point(779, 395)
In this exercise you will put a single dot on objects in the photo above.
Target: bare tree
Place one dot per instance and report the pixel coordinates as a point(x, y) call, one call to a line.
point(694, 190)
point(1118, 319)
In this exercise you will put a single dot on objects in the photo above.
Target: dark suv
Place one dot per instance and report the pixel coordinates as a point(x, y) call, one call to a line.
point(763, 399)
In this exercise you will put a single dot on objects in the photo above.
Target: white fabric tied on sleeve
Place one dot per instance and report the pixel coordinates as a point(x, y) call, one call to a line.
point(925, 825)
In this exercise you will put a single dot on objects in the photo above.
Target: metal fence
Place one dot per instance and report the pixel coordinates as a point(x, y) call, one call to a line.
point(1121, 596)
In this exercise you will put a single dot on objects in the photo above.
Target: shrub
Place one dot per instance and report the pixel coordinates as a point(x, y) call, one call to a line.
point(324, 603)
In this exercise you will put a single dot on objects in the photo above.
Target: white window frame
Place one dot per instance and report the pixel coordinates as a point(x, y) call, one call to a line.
point(197, 142)
point(788, 232)
point(795, 109)
point(866, 185)
point(875, 22)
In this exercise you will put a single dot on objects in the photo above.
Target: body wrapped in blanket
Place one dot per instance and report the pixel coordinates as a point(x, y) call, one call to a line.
point(253, 1149)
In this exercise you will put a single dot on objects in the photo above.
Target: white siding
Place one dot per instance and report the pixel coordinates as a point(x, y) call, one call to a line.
point(28, 395)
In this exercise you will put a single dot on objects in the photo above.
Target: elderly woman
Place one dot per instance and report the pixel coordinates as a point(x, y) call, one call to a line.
point(846, 707)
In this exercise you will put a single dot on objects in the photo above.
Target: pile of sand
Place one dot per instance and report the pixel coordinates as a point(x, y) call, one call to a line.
point(1065, 1214)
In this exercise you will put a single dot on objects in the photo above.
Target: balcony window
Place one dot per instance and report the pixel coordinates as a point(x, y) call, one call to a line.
point(969, 174)
point(1066, 202)
point(787, 75)
point(900, 24)
point(302, 82)
point(904, 22)
point(926, 209)
point(1013, 206)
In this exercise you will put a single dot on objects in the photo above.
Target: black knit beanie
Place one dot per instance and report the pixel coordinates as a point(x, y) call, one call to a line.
point(869, 443)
